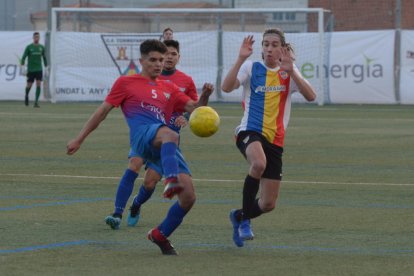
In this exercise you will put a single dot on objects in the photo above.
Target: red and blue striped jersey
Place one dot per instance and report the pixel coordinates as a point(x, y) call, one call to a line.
point(146, 101)
point(186, 86)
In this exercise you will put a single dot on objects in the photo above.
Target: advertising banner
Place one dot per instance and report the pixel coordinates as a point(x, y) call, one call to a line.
point(12, 83)
point(359, 65)
point(86, 65)
point(360, 68)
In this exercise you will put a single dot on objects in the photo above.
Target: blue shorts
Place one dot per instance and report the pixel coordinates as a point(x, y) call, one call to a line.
point(141, 146)
point(182, 165)
point(141, 142)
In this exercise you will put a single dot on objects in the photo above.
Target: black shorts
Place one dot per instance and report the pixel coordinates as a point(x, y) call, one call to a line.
point(31, 76)
point(273, 153)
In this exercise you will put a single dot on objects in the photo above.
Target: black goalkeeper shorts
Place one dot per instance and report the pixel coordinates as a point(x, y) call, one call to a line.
point(31, 76)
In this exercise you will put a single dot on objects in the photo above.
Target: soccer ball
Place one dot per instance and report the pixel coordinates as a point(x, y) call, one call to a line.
point(204, 121)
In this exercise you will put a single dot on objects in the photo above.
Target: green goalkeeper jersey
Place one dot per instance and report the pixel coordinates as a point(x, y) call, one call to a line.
point(34, 54)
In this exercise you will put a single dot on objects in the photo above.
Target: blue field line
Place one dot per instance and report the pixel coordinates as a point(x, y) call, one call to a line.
point(283, 202)
point(43, 197)
point(50, 204)
point(45, 246)
point(249, 246)
point(355, 250)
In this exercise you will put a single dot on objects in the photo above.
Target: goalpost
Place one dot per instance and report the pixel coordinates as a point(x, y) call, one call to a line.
point(91, 47)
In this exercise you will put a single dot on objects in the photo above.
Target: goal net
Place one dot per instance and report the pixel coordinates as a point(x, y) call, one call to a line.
point(91, 47)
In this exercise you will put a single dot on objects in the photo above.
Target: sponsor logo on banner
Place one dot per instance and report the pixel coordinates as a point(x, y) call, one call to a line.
point(124, 51)
point(356, 72)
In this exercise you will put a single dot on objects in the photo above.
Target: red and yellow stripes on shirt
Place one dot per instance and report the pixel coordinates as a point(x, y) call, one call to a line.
point(266, 105)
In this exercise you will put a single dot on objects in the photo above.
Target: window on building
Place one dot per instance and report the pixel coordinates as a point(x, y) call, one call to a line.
point(278, 16)
point(290, 16)
point(284, 16)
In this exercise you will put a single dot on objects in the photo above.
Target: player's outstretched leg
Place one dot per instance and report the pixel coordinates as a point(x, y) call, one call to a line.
point(160, 234)
point(170, 166)
point(236, 225)
point(163, 243)
point(245, 230)
point(125, 187)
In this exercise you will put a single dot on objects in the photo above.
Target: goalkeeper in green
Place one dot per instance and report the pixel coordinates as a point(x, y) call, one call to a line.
point(34, 53)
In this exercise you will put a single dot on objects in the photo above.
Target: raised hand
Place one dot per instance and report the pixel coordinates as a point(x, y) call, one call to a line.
point(207, 89)
point(246, 49)
point(286, 60)
point(23, 71)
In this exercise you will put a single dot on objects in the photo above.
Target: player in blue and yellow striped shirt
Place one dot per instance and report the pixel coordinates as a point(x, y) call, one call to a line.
point(267, 88)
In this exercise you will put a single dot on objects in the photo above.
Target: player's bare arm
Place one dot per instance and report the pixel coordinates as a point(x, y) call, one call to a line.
point(246, 49)
point(93, 122)
point(207, 90)
point(304, 86)
point(286, 64)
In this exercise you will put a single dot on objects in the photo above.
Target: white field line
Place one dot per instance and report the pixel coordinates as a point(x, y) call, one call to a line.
point(211, 180)
point(120, 116)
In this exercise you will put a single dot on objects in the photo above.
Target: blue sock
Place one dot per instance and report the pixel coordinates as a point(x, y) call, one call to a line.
point(125, 187)
point(174, 218)
point(142, 196)
point(169, 160)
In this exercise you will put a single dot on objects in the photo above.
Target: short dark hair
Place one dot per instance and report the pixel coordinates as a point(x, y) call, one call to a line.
point(172, 43)
point(152, 45)
point(36, 33)
point(167, 29)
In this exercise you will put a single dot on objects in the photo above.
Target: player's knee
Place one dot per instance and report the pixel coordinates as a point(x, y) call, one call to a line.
point(149, 184)
point(169, 135)
point(134, 164)
point(257, 168)
point(187, 200)
point(268, 206)
point(173, 137)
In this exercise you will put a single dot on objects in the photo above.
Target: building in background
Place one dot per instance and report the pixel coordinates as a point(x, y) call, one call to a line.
point(347, 15)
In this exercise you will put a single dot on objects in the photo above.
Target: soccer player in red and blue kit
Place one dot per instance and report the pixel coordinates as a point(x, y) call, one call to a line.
point(147, 104)
point(186, 84)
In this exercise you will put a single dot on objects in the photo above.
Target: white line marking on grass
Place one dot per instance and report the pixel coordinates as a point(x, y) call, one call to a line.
point(212, 180)
point(55, 116)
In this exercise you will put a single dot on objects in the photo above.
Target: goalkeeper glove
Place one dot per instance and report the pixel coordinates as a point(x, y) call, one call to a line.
point(23, 71)
point(46, 71)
